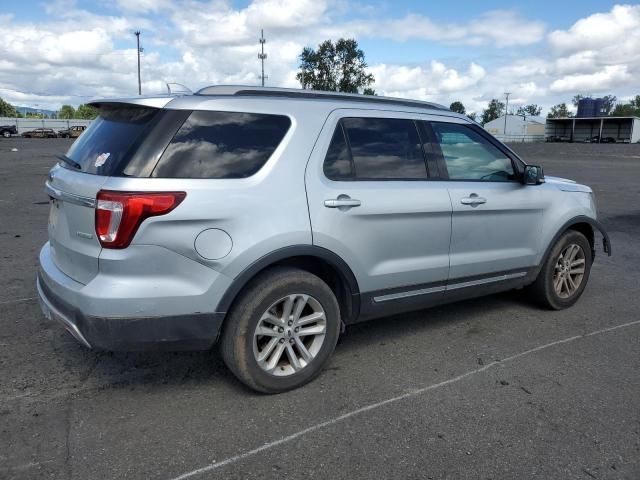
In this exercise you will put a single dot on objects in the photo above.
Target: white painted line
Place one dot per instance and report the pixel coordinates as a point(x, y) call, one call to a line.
point(411, 393)
point(17, 300)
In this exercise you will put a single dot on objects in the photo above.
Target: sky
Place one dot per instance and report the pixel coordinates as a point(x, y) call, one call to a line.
point(543, 52)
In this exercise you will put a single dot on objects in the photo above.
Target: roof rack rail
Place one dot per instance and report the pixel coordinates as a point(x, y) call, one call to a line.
point(239, 90)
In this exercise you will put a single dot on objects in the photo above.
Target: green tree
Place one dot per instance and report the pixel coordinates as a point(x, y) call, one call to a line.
point(608, 103)
point(632, 108)
point(576, 99)
point(457, 107)
point(473, 116)
point(369, 91)
point(86, 112)
point(7, 110)
point(531, 110)
point(559, 111)
point(66, 112)
point(493, 111)
point(338, 67)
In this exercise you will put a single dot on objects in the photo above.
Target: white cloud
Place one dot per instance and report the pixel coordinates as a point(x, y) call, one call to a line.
point(76, 54)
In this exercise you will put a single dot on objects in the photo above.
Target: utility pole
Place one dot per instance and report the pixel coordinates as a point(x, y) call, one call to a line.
point(506, 111)
point(137, 34)
point(262, 56)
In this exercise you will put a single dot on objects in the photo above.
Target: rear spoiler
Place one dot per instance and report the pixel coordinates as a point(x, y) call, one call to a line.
point(156, 101)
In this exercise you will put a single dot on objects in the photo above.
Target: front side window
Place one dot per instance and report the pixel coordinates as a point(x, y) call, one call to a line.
point(469, 156)
point(375, 149)
point(222, 145)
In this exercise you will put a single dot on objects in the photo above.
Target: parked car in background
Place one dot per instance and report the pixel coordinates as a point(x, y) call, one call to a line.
point(268, 219)
point(7, 130)
point(597, 139)
point(72, 132)
point(557, 138)
point(40, 133)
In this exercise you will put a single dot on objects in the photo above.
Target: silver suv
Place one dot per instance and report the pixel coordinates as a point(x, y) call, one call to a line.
point(268, 219)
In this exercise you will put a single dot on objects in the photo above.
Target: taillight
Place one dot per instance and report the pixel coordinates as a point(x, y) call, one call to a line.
point(119, 214)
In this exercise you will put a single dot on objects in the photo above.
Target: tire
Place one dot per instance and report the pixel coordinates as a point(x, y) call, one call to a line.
point(267, 294)
point(6, 134)
point(544, 290)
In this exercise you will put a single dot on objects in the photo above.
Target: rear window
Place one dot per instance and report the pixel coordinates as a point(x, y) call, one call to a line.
point(222, 145)
point(110, 138)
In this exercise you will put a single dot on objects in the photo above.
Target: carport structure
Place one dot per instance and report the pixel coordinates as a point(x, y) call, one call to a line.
point(621, 129)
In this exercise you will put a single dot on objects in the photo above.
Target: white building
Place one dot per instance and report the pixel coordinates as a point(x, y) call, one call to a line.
point(518, 128)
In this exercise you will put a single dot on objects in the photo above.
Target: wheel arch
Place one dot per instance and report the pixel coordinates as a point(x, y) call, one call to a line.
point(316, 260)
point(585, 225)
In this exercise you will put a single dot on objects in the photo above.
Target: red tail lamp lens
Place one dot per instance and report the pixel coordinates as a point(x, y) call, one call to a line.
point(119, 214)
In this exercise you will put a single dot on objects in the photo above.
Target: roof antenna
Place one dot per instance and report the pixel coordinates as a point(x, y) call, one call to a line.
point(181, 90)
point(262, 56)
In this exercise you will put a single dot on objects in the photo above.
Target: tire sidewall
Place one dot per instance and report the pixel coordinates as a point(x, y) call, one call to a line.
point(555, 300)
point(260, 296)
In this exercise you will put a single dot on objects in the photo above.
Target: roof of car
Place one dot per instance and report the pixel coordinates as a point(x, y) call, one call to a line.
point(294, 93)
point(243, 91)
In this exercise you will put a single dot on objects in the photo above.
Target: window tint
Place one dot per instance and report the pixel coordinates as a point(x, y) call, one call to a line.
point(222, 145)
point(385, 148)
point(469, 156)
point(109, 138)
point(337, 164)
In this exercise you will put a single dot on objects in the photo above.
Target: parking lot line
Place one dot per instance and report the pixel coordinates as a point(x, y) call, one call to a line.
point(411, 393)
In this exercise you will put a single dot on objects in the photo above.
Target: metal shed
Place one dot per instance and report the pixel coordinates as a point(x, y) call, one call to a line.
point(593, 129)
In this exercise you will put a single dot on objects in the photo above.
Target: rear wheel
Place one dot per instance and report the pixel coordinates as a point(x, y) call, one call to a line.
point(565, 273)
point(281, 330)
point(6, 134)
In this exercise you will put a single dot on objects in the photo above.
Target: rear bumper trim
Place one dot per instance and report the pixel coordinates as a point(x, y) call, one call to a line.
point(52, 313)
point(195, 331)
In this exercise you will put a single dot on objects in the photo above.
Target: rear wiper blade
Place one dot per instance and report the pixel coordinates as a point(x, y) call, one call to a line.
point(69, 161)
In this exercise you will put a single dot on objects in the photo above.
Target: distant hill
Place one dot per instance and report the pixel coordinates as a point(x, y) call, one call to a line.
point(24, 110)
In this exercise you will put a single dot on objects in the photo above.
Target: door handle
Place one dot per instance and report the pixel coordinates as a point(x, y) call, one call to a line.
point(473, 200)
point(343, 201)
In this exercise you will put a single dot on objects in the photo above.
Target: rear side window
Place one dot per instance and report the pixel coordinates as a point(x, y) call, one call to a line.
point(109, 139)
point(469, 156)
point(222, 145)
point(378, 149)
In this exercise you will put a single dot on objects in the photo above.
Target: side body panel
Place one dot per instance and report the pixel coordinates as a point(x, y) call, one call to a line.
point(399, 234)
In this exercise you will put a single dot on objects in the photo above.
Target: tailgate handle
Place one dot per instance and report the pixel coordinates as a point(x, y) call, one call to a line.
point(58, 194)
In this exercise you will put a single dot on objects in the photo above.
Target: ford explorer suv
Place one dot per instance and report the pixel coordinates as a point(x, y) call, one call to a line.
point(266, 220)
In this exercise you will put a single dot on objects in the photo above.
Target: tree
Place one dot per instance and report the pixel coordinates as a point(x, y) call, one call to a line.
point(559, 111)
point(7, 110)
point(473, 116)
point(608, 103)
point(369, 91)
point(86, 112)
point(531, 110)
point(493, 111)
point(628, 109)
point(338, 67)
point(66, 112)
point(576, 99)
point(457, 107)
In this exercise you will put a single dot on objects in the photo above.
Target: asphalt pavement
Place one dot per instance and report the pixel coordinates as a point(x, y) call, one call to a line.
point(493, 388)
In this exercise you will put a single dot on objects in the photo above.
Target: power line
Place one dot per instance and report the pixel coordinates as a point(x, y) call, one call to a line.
point(262, 56)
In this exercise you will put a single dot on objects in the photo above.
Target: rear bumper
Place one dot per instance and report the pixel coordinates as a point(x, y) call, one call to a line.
point(196, 331)
point(70, 303)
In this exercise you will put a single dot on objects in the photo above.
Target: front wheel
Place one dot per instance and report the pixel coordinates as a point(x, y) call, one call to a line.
point(281, 330)
point(6, 134)
point(565, 272)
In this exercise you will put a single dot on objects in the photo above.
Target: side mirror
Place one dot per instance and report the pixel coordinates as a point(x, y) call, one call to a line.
point(533, 175)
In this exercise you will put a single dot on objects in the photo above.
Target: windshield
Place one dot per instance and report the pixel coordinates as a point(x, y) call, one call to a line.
point(110, 138)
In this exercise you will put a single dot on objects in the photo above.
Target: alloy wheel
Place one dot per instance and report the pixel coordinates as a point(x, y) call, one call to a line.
point(569, 271)
point(289, 334)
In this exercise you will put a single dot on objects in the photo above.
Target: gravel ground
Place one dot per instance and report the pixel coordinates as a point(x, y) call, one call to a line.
point(489, 388)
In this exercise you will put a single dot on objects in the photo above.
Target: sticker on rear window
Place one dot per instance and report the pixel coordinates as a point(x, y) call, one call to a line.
point(101, 159)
